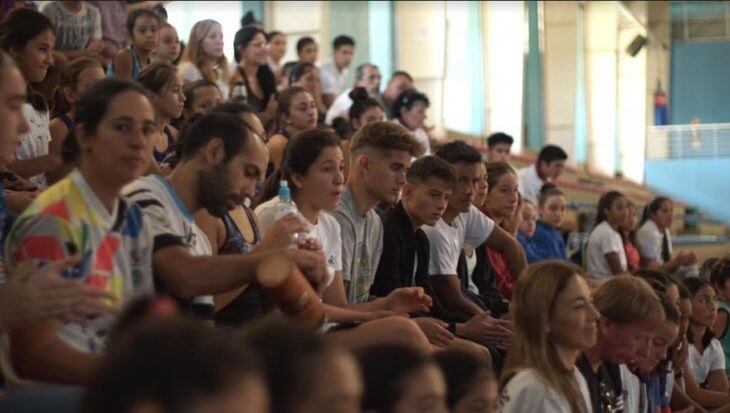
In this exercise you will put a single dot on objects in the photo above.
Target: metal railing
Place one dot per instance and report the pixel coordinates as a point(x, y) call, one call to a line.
point(688, 141)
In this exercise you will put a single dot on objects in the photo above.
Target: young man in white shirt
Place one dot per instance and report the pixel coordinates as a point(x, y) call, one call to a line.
point(549, 166)
point(367, 75)
point(220, 165)
point(332, 74)
point(499, 145)
point(463, 225)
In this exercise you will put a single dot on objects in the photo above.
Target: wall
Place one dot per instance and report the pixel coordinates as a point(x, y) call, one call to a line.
point(700, 84)
point(680, 179)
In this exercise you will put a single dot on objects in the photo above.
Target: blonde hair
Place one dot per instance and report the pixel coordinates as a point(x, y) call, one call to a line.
point(627, 299)
point(194, 51)
point(532, 306)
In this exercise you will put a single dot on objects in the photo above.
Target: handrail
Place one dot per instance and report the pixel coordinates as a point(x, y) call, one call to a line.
point(693, 141)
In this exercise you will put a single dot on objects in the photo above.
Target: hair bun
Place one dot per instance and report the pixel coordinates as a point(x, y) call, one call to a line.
point(358, 93)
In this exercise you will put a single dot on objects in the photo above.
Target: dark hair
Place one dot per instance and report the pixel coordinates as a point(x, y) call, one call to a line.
point(462, 371)
point(385, 369)
point(248, 19)
point(94, 103)
point(499, 137)
point(361, 103)
point(69, 78)
point(270, 35)
point(720, 272)
point(285, 99)
point(658, 279)
point(173, 363)
point(304, 42)
point(287, 67)
point(550, 153)
point(157, 76)
point(402, 73)
point(292, 356)
point(264, 75)
point(91, 109)
point(300, 153)
point(244, 37)
point(18, 28)
point(300, 69)
point(21, 26)
point(652, 207)
point(234, 107)
point(385, 136)
point(604, 203)
point(496, 170)
point(671, 311)
point(426, 167)
point(342, 40)
point(360, 70)
point(694, 284)
point(190, 88)
point(548, 190)
point(224, 126)
point(458, 151)
point(136, 14)
point(407, 99)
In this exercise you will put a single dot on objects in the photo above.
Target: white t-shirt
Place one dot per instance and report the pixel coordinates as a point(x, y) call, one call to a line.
point(74, 31)
point(172, 224)
point(603, 240)
point(702, 364)
point(326, 231)
point(332, 78)
point(469, 230)
point(340, 107)
point(530, 183)
point(633, 390)
point(34, 143)
point(190, 73)
point(650, 241)
point(528, 392)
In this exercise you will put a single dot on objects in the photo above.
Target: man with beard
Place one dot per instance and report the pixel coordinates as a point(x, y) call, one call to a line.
point(217, 167)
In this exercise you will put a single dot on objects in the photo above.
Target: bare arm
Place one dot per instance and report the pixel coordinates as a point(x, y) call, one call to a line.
point(447, 289)
point(501, 241)
point(614, 262)
point(181, 272)
point(35, 166)
point(706, 398)
point(38, 354)
point(123, 64)
point(720, 324)
point(276, 146)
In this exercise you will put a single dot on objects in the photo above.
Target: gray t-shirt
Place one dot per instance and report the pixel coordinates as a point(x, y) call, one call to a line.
point(362, 245)
point(74, 31)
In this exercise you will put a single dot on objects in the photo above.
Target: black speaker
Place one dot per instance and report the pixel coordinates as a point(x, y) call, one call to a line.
point(635, 47)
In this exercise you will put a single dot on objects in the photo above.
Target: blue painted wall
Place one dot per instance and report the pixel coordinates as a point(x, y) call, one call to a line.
point(699, 82)
point(698, 182)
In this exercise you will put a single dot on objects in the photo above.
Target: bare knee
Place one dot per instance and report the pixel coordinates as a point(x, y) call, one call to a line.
point(406, 331)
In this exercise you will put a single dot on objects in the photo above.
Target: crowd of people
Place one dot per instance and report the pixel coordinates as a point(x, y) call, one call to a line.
point(181, 233)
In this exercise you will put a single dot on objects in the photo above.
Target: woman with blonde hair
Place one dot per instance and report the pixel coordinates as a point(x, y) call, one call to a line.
point(554, 321)
point(203, 57)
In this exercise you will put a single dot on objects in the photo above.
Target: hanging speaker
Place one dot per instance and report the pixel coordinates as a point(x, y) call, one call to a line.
point(635, 47)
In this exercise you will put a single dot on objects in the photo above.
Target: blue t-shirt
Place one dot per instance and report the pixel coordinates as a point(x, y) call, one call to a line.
point(549, 240)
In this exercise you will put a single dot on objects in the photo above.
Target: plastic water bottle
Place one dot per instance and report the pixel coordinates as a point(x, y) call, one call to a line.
point(287, 206)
